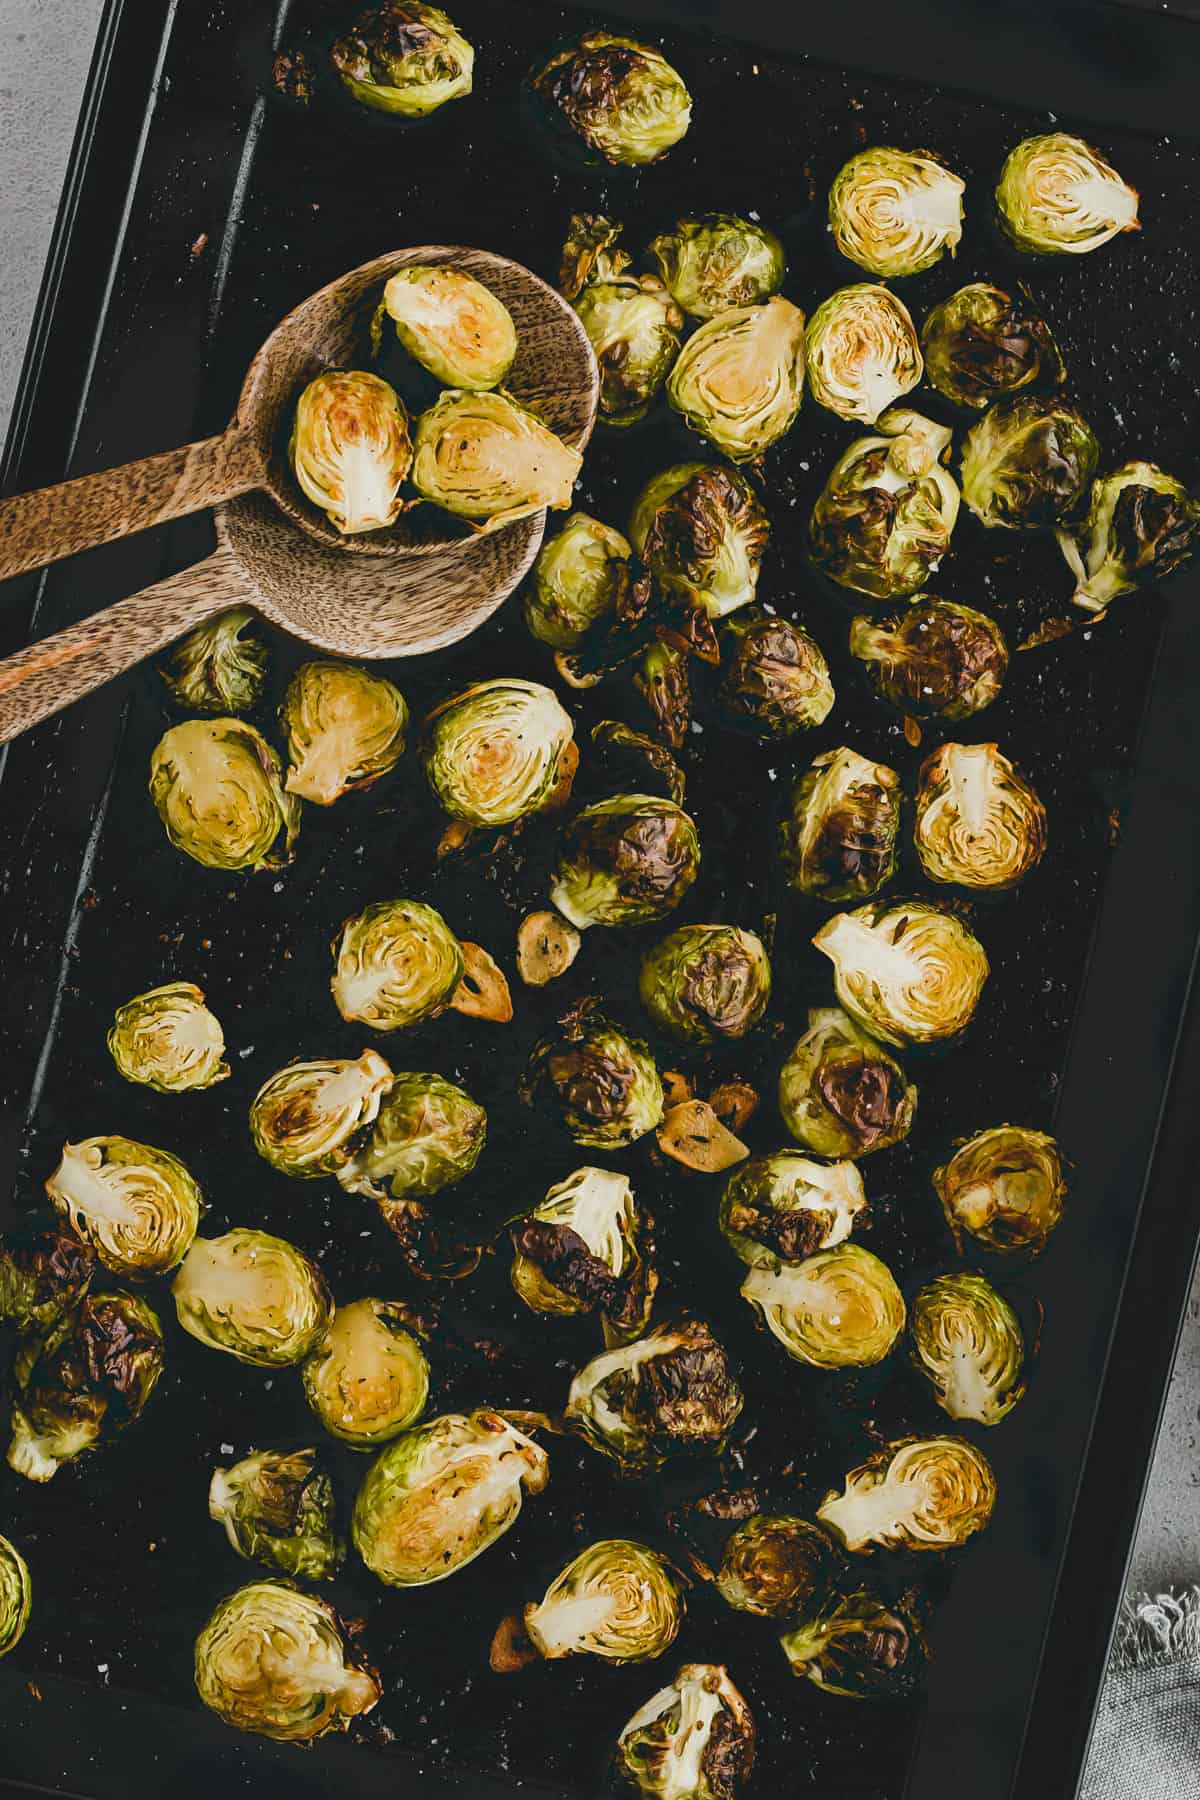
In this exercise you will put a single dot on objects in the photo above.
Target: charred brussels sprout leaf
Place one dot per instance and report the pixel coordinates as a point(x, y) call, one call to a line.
point(167, 1039)
point(863, 353)
point(622, 100)
point(663, 680)
point(16, 1594)
point(701, 532)
point(428, 1135)
point(453, 325)
point(350, 449)
point(861, 1645)
point(694, 1740)
point(219, 667)
point(840, 1093)
point(308, 1119)
point(775, 1566)
point(253, 1295)
point(498, 751)
point(484, 458)
point(908, 972)
point(625, 861)
point(603, 1086)
point(43, 1274)
point(918, 1494)
point(775, 680)
point(577, 580)
point(967, 1341)
point(839, 842)
point(937, 658)
point(895, 212)
point(396, 964)
point(274, 1661)
point(590, 250)
point(1027, 463)
point(1058, 196)
point(368, 1378)
point(219, 792)
point(982, 344)
point(404, 58)
point(978, 821)
point(739, 379)
point(344, 727)
point(278, 1509)
point(1141, 526)
point(670, 1393)
point(706, 982)
point(138, 1207)
point(784, 1207)
point(633, 325)
point(632, 754)
point(718, 261)
point(839, 1309)
point(580, 1251)
point(1005, 1188)
point(883, 522)
point(617, 1599)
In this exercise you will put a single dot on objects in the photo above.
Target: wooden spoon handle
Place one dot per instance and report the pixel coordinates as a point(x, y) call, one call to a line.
point(53, 522)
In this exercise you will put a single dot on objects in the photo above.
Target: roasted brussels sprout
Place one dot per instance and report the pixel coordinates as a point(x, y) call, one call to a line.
point(428, 1135)
point(718, 261)
point(883, 522)
point(839, 1309)
point(840, 1093)
point(453, 325)
point(860, 1645)
point(863, 353)
point(580, 1251)
point(167, 1039)
point(701, 531)
point(498, 751)
point(368, 1378)
point(739, 379)
point(43, 1274)
point(706, 982)
point(663, 680)
point(671, 1393)
point(603, 1086)
point(1058, 196)
point(895, 212)
point(484, 458)
point(344, 727)
point(693, 1741)
point(254, 1295)
point(775, 1566)
point(1005, 1188)
point(396, 964)
point(590, 252)
point(309, 1118)
point(83, 1383)
point(1141, 526)
point(218, 788)
point(910, 973)
point(1027, 463)
point(936, 658)
point(978, 821)
point(633, 325)
point(839, 840)
point(622, 100)
point(442, 1494)
point(617, 1599)
point(219, 667)
point(775, 680)
point(138, 1207)
point(634, 758)
point(784, 1207)
point(404, 58)
point(982, 344)
point(274, 1661)
point(967, 1341)
point(577, 580)
point(16, 1594)
point(918, 1494)
point(625, 861)
point(350, 449)
point(278, 1509)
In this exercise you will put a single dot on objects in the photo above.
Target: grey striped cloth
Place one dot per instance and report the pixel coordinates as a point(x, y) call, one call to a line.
point(1146, 1743)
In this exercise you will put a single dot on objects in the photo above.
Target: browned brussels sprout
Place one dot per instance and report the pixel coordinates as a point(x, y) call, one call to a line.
point(451, 324)
point(219, 667)
point(739, 379)
point(717, 262)
point(978, 822)
point(861, 1645)
point(839, 842)
point(840, 1092)
point(863, 353)
point(1005, 1188)
point(909, 972)
point(404, 58)
point(1058, 196)
point(884, 519)
point(895, 212)
point(775, 681)
point(839, 1309)
point(44, 1272)
point(590, 249)
point(937, 658)
point(577, 580)
point(621, 100)
point(581, 1250)
point(694, 1740)
point(670, 1393)
point(630, 753)
point(982, 344)
point(663, 679)
point(633, 325)
point(784, 1207)
point(350, 449)
point(278, 1509)
point(705, 982)
point(775, 1566)
point(603, 1086)
point(1141, 526)
point(83, 1383)
point(915, 1494)
point(625, 861)
point(1028, 463)
point(701, 531)
point(968, 1343)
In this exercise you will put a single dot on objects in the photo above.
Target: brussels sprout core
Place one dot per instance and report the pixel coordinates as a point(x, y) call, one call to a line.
point(693, 1741)
point(617, 1600)
point(621, 99)
point(908, 973)
point(429, 1134)
point(937, 658)
point(273, 1661)
point(454, 326)
point(967, 1340)
point(895, 212)
point(978, 823)
point(739, 379)
point(604, 1086)
point(167, 1039)
point(254, 1295)
point(16, 1594)
point(775, 1567)
point(344, 728)
point(718, 261)
point(919, 1494)
point(701, 531)
point(498, 751)
point(625, 861)
point(863, 353)
point(784, 1207)
point(396, 964)
point(350, 449)
point(1004, 1188)
point(307, 1119)
point(838, 1309)
point(840, 1093)
point(671, 1393)
point(219, 667)
point(633, 325)
point(776, 680)
point(1058, 196)
point(839, 842)
point(1141, 526)
point(578, 1252)
point(883, 522)
point(278, 1509)
point(138, 1207)
point(404, 58)
point(83, 1383)
point(577, 580)
point(860, 1645)
point(1027, 463)
point(218, 788)
point(981, 345)
point(706, 982)
point(484, 458)
point(368, 1378)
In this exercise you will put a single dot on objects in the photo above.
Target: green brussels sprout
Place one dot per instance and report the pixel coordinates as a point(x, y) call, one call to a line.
point(967, 1341)
point(452, 324)
point(344, 727)
point(274, 1661)
point(138, 1207)
point(278, 1509)
point(775, 680)
point(603, 1086)
point(916, 1494)
point(840, 1093)
point(936, 659)
point(839, 840)
point(429, 1134)
point(443, 1493)
point(83, 1383)
point(1058, 196)
point(718, 261)
point(617, 1599)
point(885, 516)
point(1004, 1188)
point(863, 354)
point(590, 252)
point(705, 982)
point(739, 379)
point(397, 963)
point(981, 345)
point(484, 458)
point(498, 751)
point(774, 1566)
point(309, 1119)
point(625, 861)
point(404, 58)
point(694, 1740)
point(1027, 463)
point(577, 580)
point(219, 667)
point(254, 1295)
point(631, 753)
point(978, 821)
point(670, 1393)
point(861, 1645)
point(167, 1039)
point(16, 1595)
point(839, 1309)
point(783, 1207)
point(218, 788)
point(663, 680)
point(895, 212)
point(1141, 526)
point(580, 1250)
point(908, 972)
point(368, 1378)
point(633, 325)
point(701, 531)
point(350, 449)
point(44, 1272)
point(621, 99)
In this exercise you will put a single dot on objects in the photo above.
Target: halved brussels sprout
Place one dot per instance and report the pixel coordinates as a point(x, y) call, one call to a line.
point(839, 1309)
point(718, 261)
point(701, 531)
point(917, 1494)
point(633, 325)
point(967, 1341)
point(1027, 463)
point(274, 1661)
point(706, 982)
point(278, 1509)
point(43, 1274)
point(484, 458)
point(739, 379)
point(428, 1135)
point(1141, 526)
point(625, 861)
point(622, 99)
point(883, 522)
point(671, 1393)
point(344, 727)
point(218, 788)
point(167, 1039)
point(840, 1093)
point(774, 1566)
point(577, 579)
point(580, 1251)
point(861, 1645)
point(1005, 1188)
point(895, 212)
point(397, 963)
point(405, 58)
point(368, 1378)
point(909, 972)
point(442, 1494)
point(936, 658)
point(784, 1207)
point(16, 1595)
point(775, 680)
point(693, 1741)
point(839, 842)
point(138, 1207)
point(1057, 195)
point(603, 1086)
point(350, 449)
point(617, 1599)
point(309, 1119)
point(254, 1295)
point(664, 682)
point(219, 667)
point(453, 325)
point(498, 751)
point(978, 821)
point(982, 344)
point(863, 353)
